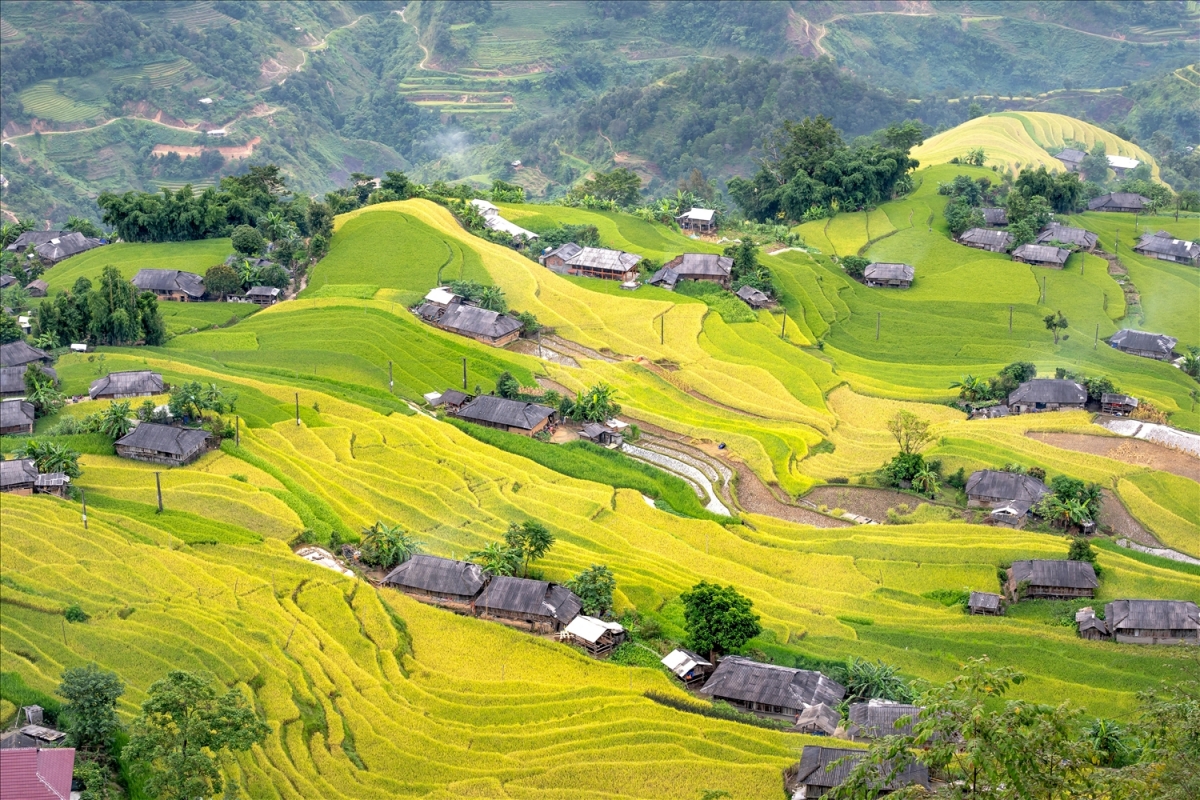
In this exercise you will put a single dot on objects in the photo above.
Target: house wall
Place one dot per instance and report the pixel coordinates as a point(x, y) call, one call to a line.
point(155, 457)
point(588, 272)
point(530, 622)
point(122, 396)
point(890, 284)
point(1047, 264)
point(555, 263)
point(454, 602)
point(17, 429)
point(760, 710)
point(1157, 356)
point(1136, 636)
point(24, 489)
point(1033, 408)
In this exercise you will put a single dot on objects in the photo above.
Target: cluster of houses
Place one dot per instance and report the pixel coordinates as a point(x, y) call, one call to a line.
point(51, 247)
point(521, 417)
point(188, 287)
point(1142, 622)
point(493, 221)
point(444, 309)
point(35, 764)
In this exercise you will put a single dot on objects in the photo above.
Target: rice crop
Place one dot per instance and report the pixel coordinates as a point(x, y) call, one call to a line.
point(45, 101)
point(195, 256)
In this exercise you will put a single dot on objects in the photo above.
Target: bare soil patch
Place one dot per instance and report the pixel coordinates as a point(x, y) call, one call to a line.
point(756, 498)
point(862, 500)
point(1132, 451)
point(1114, 515)
point(232, 151)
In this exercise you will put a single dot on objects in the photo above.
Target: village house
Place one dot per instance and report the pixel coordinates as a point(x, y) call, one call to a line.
point(1122, 165)
point(1071, 158)
point(819, 720)
point(885, 274)
point(591, 262)
point(1128, 202)
point(30, 239)
point(689, 667)
point(263, 295)
point(64, 246)
point(493, 221)
point(995, 217)
point(7, 281)
point(985, 239)
point(1044, 579)
point(1047, 394)
point(769, 690)
point(543, 607)
point(1143, 622)
point(21, 476)
point(440, 581)
point(12, 379)
point(164, 444)
point(596, 636)
point(170, 284)
point(877, 718)
point(1165, 247)
point(1119, 405)
point(1147, 345)
point(480, 324)
point(819, 772)
point(1074, 237)
point(34, 733)
point(1041, 255)
point(123, 385)
point(16, 416)
point(37, 773)
point(37, 288)
point(985, 603)
point(755, 298)
point(514, 416)
point(602, 435)
point(451, 400)
point(699, 220)
point(989, 412)
point(1009, 495)
point(16, 354)
point(694, 267)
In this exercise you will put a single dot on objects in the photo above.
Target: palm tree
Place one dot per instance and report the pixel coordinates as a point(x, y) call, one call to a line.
point(273, 223)
point(115, 422)
point(214, 398)
point(1076, 512)
point(1191, 362)
point(43, 394)
point(972, 388)
point(47, 341)
point(1107, 739)
point(530, 540)
point(925, 480)
point(51, 457)
point(388, 545)
point(497, 559)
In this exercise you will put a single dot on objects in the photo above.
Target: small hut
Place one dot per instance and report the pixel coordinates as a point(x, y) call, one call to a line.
point(755, 298)
point(1090, 626)
point(690, 668)
point(885, 274)
point(986, 604)
point(995, 217)
point(1041, 255)
point(984, 239)
point(702, 220)
point(877, 718)
point(1049, 579)
point(123, 385)
point(596, 636)
point(164, 444)
point(1047, 394)
point(1119, 405)
point(599, 434)
point(16, 416)
point(821, 769)
point(818, 720)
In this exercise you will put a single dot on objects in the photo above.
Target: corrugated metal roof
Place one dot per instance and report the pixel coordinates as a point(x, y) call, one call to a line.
point(681, 661)
point(169, 280)
point(524, 596)
point(1165, 244)
point(15, 412)
point(469, 320)
point(441, 575)
point(502, 411)
point(34, 238)
point(65, 246)
point(1067, 235)
point(1061, 574)
point(703, 265)
point(1042, 253)
point(1048, 390)
point(1122, 200)
point(986, 237)
point(1123, 162)
point(605, 260)
point(884, 271)
point(665, 277)
point(1128, 615)
point(698, 215)
point(590, 629)
point(995, 216)
point(1071, 156)
point(816, 768)
point(165, 439)
point(1129, 339)
point(820, 718)
point(876, 718)
point(263, 291)
point(134, 382)
point(29, 773)
point(984, 600)
point(1005, 485)
point(739, 678)
point(1118, 399)
point(14, 354)
point(753, 296)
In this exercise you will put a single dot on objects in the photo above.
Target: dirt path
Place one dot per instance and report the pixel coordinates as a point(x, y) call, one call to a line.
point(1132, 451)
point(417, 32)
point(863, 500)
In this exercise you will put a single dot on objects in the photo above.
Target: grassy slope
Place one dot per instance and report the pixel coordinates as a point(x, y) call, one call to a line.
point(1015, 139)
point(195, 256)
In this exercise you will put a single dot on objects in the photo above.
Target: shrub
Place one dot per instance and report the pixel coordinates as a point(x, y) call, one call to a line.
point(949, 597)
point(74, 613)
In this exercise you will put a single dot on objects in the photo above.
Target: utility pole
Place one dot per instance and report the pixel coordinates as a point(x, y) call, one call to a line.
point(83, 494)
point(662, 328)
point(878, 317)
point(237, 431)
point(297, 409)
point(1043, 288)
point(464, 374)
point(1096, 343)
point(158, 486)
point(1010, 320)
point(783, 328)
point(391, 383)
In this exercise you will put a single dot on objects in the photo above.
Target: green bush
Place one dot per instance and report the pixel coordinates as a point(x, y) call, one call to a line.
point(74, 613)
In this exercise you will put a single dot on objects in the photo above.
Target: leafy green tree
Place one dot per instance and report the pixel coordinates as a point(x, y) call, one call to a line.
point(1055, 322)
point(621, 185)
point(1095, 165)
point(91, 706)
point(222, 280)
point(84, 226)
point(872, 679)
point(10, 331)
point(154, 330)
point(274, 275)
point(718, 619)
point(507, 386)
point(971, 388)
point(855, 265)
point(596, 404)
point(961, 216)
point(595, 587)
point(530, 540)
point(113, 310)
point(115, 422)
point(182, 730)
point(95, 780)
point(388, 545)
point(497, 559)
point(492, 298)
point(976, 157)
point(41, 392)
point(1169, 726)
point(925, 480)
point(51, 457)
point(910, 432)
point(247, 240)
point(904, 135)
point(320, 220)
point(1191, 362)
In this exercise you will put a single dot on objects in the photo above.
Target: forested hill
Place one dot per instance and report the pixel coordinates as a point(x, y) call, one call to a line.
point(123, 95)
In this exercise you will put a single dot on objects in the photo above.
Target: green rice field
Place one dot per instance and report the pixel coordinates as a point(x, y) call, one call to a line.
point(196, 256)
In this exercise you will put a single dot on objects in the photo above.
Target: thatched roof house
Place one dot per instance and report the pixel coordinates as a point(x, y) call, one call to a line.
point(1129, 202)
point(164, 444)
point(1041, 578)
point(877, 718)
point(64, 246)
point(888, 274)
point(37, 288)
point(544, 607)
point(770, 690)
point(985, 239)
point(1047, 394)
point(1153, 621)
point(514, 416)
point(120, 385)
point(30, 239)
point(1076, 237)
point(21, 476)
point(816, 774)
point(1140, 343)
point(1041, 255)
point(1165, 247)
point(592, 262)
point(170, 284)
point(480, 324)
point(12, 379)
point(985, 603)
point(1118, 404)
point(1071, 158)
point(700, 267)
point(995, 217)
point(263, 295)
point(438, 580)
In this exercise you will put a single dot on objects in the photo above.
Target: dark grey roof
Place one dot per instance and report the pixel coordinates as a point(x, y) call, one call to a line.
point(263, 291)
point(665, 277)
point(984, 236)
point(593, 430)
point(563, 251)
point(605, 260)
point(1165, 244)
point(15, 412)
point(706, 265)
point(7, 281)
point(65, 246)
point(885, 271)
point(169, 280)
point(524, 596)
point(984, 600)
point(1119, 399)
point(814, 769)
point(502, 411)
point(1118, 200)
point(876, 718)
point(1005, 485)
point(452, 397)
point(995, 216)
point(753, 296)
point(1063, 574)
point(165, 439)
point(136, 382)
point(1048, 390)
point(34, 238)
point(14, 354)
point(1071, 156)
point(1091, 622)
point(12, 379)
point(1042, 253)
point(739, 678)
point(37, 288)
point(16, 472)
point(818, 717)
point(1125, 615)
point(1067, 235)
point(441, 575)
point(469, 320)
point(1129, 339)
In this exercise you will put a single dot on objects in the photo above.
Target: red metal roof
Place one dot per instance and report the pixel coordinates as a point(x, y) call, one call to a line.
point(30, 773)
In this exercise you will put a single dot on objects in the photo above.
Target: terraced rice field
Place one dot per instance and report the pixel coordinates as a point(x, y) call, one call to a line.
point(161, 74)
point(1015, 139)
point(44, 101)
point(195, 256)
